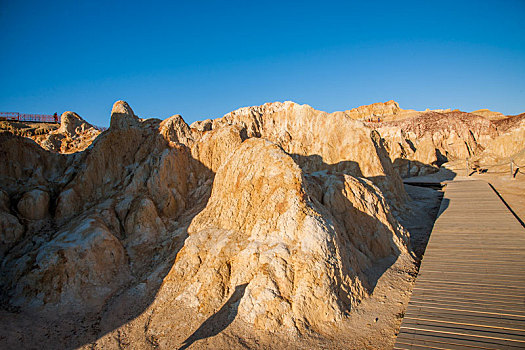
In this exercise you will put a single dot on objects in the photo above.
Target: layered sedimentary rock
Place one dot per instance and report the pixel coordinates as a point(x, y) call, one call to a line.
point(73, 135)
point(380, 109)
point(291, 205)
point(489, 114)
point(420, 144)
point(386, 111)
point(298, 245)
point(349, 146)
point(278, 217)
point(510, 140)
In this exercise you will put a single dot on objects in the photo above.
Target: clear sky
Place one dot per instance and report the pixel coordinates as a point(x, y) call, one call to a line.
point(203, 59)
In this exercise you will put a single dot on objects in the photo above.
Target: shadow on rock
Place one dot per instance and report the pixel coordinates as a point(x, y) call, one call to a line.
point(134, 161)
point(219, 321)
point(315, 162)
point(414, 171)
point(369, 245)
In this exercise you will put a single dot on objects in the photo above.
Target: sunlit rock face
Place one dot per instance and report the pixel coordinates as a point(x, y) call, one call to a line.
point(321, 141)
point(279, 216)
point(281, 208)
point(420, 144)
point(511, 139)
point(299, 243)
point(376, 110)
point(73, 135)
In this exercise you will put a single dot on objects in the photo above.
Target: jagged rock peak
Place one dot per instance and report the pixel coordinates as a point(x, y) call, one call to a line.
point(69, 123)
point(267, 108)
point(175, 129)
point(122, 116)
point(202, 125)
point(491, 115)
point(377, 109)
point(122, 107)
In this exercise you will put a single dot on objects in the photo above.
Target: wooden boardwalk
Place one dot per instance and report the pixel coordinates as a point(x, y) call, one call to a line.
point(470, 291)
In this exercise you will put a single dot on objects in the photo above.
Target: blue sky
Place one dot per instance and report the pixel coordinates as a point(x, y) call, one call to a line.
point(203, 59)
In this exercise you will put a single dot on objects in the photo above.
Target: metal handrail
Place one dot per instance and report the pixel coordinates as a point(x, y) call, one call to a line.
point(23, 117)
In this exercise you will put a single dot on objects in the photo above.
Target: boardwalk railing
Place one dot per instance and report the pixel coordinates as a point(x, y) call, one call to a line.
point(22, 117)
point(515, 168)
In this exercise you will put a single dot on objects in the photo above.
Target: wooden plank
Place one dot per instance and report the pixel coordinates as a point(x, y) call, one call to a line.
point(477, 287)
point(504, 275)
point(464, 318)
point(472, 295)
point(502, 332)
point(460, 284)
point(473, 307)
point(418, 338)
point(468, 316)
point(466, 335)
point(454, 340)
point(472, 277)
point(450, 299)
point(471, 283)
point(402, 346)
point(483, 263)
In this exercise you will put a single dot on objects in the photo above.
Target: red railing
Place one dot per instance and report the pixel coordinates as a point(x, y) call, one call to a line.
point(40, 118)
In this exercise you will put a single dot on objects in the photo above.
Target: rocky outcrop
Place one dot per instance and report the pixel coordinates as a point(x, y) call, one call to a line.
point(349, 146)
point(510, 141)
point(175, 129)
point(510, 122)
point(275, 219)
point(419, 145)
point(380, 109)
point(214, 147)
point(28, 166)
point(111, 207)
point(10, 228)
point(122, 117)
point(385, 111)
point(202, 125)
point(73, 135)
point(71, 125)
point(297, 245)
point(77, 269)
point(489, 114)
point(109, 216)
point(34, 205)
